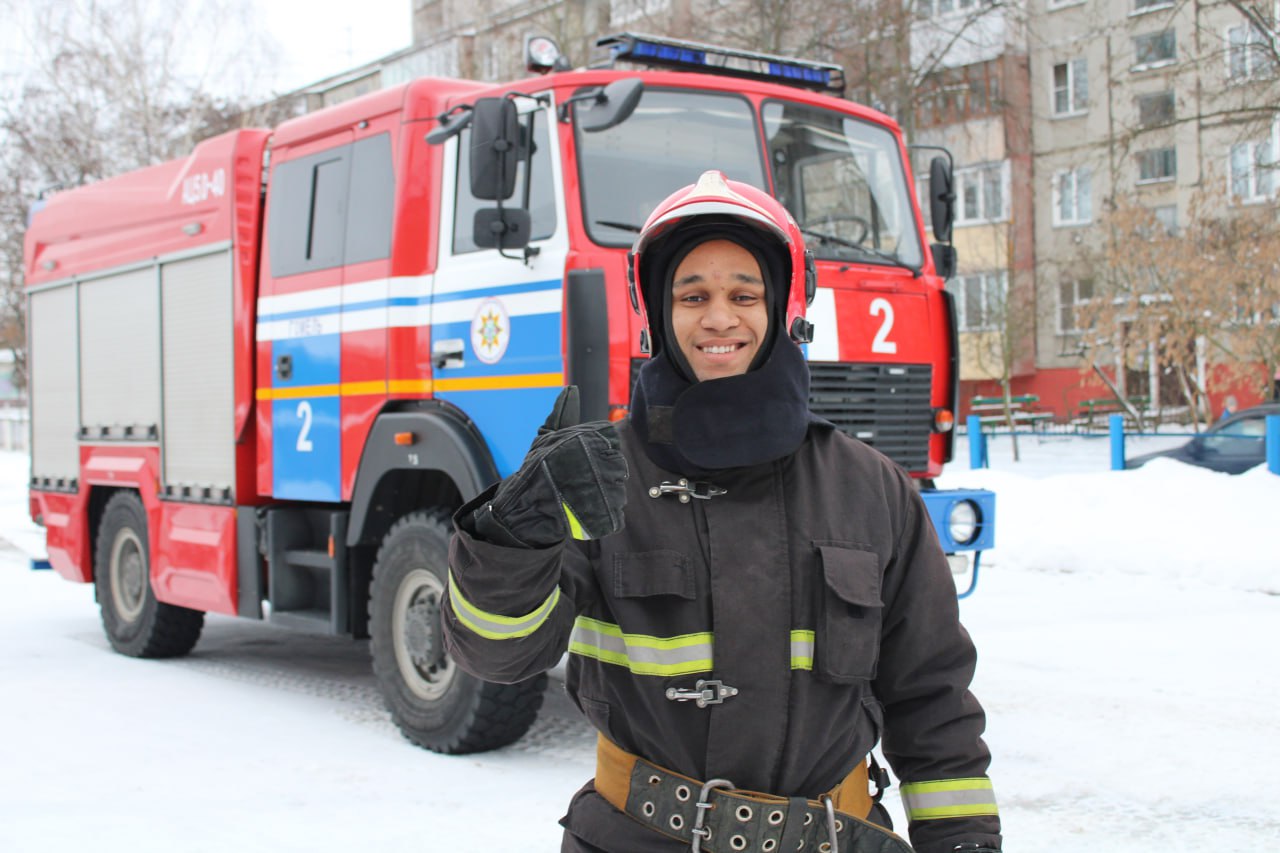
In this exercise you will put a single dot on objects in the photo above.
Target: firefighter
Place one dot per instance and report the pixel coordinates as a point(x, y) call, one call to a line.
point(775, 603)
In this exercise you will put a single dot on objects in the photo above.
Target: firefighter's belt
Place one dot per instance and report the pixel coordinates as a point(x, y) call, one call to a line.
point(715, 817)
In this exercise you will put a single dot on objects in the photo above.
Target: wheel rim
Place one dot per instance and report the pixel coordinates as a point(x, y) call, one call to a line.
point(415, 634)
point(128, 575)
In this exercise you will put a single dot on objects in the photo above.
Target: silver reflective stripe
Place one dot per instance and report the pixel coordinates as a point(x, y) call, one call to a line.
point(494, 626)
point(949, 798)
point(802, 650)
point(641, 653)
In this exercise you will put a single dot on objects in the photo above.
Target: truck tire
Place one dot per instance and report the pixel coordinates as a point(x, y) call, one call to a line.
point(435, 704)
point(136, 623)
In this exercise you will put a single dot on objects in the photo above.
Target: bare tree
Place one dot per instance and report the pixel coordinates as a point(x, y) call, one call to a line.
point(112, 85)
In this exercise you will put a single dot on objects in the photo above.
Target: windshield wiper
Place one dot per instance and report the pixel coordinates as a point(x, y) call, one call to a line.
point(858, 247)
point(621, 226)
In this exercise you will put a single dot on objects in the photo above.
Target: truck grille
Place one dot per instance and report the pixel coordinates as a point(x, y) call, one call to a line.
point(885, 405)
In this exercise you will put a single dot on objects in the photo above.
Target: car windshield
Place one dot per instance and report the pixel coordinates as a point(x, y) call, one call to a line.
point(671, 139)
point(843, 179)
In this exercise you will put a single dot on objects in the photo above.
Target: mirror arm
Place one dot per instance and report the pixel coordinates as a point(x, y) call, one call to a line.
point(589, 95)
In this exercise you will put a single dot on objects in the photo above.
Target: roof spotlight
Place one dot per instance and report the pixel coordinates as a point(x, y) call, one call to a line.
point(542, 55)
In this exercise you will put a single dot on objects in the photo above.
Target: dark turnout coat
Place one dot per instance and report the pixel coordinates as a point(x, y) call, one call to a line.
point(814, 585)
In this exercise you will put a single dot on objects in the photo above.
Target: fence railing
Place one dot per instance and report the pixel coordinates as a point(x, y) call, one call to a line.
point(979, 457)
point(14, 428)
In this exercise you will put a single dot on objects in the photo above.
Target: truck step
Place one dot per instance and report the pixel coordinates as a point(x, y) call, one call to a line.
point(307, 587)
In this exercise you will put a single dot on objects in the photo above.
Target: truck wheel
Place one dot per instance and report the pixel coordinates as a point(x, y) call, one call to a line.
point(435, 704)
point(136, 624)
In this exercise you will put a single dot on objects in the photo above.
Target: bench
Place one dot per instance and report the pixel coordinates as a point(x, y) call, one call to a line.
point(1101, 407)
point(991, 411)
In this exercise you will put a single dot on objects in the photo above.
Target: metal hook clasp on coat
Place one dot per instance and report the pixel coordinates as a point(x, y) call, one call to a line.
point(686, 491)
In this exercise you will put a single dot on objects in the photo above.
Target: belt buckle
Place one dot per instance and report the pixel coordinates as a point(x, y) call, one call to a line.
point(705, 692)
point(703, 805)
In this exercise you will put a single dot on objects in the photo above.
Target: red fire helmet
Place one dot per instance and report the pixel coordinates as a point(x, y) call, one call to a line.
point(716, 196)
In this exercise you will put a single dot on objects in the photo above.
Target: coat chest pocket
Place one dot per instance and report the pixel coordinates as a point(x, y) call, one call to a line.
point(642, 574)
point(850, 614)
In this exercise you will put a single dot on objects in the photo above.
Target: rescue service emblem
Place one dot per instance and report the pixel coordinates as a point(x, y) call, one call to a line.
point(490, 331)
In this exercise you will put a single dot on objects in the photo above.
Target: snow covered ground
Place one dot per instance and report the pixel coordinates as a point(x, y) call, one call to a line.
point(1128, 626)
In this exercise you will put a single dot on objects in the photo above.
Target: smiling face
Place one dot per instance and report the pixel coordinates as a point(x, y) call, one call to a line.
point(719, 314)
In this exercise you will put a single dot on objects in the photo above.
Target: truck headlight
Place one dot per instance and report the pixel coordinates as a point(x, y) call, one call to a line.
point(962, 522)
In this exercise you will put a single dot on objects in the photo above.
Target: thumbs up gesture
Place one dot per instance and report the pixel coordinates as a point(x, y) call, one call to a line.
point(571, 483)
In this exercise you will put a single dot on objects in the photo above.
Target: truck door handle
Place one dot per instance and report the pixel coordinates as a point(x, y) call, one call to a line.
point(284, 366)
point(447, 353)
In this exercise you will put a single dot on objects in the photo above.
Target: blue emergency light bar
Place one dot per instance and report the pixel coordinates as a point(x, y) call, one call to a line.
point(681, 55)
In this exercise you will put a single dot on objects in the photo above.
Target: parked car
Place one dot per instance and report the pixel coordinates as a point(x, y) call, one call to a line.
point(1233, 445)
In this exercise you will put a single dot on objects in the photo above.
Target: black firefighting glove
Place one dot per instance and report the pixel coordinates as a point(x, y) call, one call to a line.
point(572, 483)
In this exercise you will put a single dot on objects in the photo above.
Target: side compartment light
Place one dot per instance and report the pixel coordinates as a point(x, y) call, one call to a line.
point(404, 439)
point(944, 420)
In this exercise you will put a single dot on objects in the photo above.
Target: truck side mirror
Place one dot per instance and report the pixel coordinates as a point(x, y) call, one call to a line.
point(502, 228)
point(495, 148)
point(610, 106)
point(944, 259)
point(942, 198)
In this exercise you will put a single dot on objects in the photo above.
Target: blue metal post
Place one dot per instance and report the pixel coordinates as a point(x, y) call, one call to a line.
point(1273, 444)
point(1117, 442)
point(977, 443)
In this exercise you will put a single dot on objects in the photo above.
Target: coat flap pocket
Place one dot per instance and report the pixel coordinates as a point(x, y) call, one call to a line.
point(852, 575)
point(640, 574)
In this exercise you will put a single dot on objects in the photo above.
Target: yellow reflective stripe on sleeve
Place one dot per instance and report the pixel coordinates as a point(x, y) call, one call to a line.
point(493, 626)
point(575, 526)
point(802, 649)
point(949, 798)
point(641, 653)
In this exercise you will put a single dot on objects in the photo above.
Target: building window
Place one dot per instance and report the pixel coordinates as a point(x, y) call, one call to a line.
point(980, 300)
point(1072, 204)
point(629, 11)
point(1253, 168)
point(959, 94)
point(1248, 54)
point(1155, 110)
point(981, 194)
point(1072, 295)
point(1070, 87)
point(1158, 164)
point(1167, 217)
point(1150, 5)
point(935, 8)
point(1153, 49)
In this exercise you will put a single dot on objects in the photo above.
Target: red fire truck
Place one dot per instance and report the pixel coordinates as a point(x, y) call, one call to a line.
point(264, 375)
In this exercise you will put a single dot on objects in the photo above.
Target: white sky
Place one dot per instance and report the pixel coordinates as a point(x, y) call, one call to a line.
point(315, 38)
point(319, 38)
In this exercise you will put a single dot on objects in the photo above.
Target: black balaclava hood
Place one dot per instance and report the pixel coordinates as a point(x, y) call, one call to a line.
point(691, 427)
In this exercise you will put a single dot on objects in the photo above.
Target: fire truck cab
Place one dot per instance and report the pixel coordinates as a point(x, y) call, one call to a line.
point(264, 376)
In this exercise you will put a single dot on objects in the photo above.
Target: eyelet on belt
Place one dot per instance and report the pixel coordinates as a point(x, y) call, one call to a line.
point(738, 842)
point(648, 808)
point(682, 793)
point(839, 825)
point(743, 813)
point(653, 780)
point(768, 845)
point(825, 847)
point(676, 822)
point(775, 817)
point(808, 819)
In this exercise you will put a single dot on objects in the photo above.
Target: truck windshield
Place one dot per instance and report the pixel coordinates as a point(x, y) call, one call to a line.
point(843, 180)
point(671, 139)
